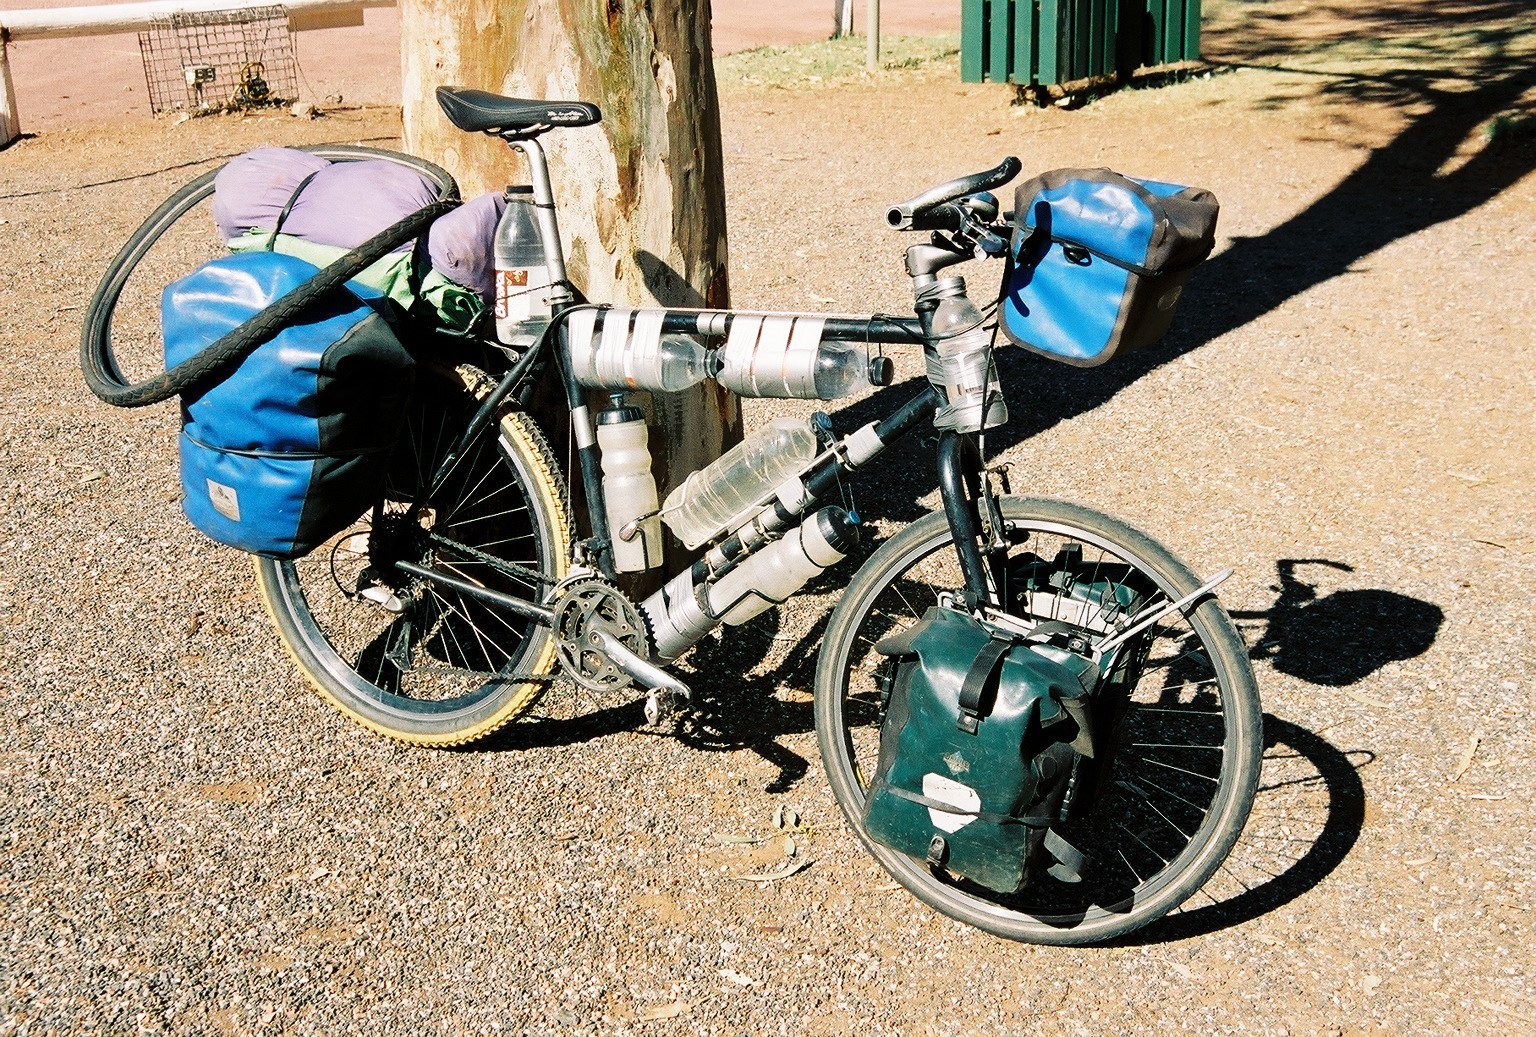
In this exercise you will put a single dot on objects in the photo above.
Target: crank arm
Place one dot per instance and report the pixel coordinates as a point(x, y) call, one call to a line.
point(648, 674)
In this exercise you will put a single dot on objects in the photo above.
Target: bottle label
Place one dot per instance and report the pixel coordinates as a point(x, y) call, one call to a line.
point(520, 293)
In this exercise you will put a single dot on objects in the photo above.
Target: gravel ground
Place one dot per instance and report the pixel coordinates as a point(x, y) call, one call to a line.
point(191, 842)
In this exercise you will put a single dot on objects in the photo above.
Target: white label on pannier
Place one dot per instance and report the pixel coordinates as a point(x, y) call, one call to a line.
point(948, 790)
point(224, 500)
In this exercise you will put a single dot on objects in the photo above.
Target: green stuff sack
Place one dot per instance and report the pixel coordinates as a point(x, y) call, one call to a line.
point(982, 730)
point(398, 276)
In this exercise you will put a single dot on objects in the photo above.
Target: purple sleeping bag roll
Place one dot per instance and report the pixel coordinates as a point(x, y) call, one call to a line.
point(346, 203)
point(461, 244)
point(251, 190)
point(349, 202)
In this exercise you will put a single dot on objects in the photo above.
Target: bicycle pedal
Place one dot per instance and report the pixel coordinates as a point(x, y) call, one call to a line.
point(662, 704)
point(383, 597)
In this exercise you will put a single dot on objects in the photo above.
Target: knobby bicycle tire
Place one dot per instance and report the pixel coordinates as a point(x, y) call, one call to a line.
point(446, 670)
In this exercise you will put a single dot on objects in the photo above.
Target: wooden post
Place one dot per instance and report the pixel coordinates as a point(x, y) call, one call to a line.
point(10, 122)
point(872, 23)
point(641, 195)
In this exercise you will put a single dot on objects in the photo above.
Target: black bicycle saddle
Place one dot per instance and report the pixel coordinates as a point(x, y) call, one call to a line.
point(479, 110)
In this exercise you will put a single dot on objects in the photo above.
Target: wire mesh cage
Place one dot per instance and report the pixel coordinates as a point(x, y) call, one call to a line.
point(214, 61)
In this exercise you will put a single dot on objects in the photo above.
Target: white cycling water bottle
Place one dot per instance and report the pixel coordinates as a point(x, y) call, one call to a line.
point(522, 273)
point(629, 488)
point(780, 570)
point(677, 615)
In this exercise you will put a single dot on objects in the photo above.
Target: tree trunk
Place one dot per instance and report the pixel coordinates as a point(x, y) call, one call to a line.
point(641, 195)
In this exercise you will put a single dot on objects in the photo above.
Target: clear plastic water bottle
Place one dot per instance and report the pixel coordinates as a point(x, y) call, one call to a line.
point(842, 368)
point(680, 362)
point(522, 273)
point(711, 497)
point(961, 366)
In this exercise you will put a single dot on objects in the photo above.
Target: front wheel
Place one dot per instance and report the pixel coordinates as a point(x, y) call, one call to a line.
point(413, 659)
point(1178, 713)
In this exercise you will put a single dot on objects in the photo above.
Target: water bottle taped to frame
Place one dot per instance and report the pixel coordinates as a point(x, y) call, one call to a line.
point(774, 356)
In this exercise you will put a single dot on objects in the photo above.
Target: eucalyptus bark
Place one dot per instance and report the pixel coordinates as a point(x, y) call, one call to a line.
point(641, 195)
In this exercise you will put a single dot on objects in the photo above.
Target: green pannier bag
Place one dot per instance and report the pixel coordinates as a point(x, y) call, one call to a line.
point(983, 730)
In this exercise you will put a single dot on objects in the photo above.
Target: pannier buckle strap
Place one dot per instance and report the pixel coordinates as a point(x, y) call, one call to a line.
point(988, 660)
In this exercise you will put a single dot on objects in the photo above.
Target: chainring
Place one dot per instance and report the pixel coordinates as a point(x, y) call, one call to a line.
point(585, 606)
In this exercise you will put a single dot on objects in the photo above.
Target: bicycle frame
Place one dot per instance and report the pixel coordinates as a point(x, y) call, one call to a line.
point(959, 459)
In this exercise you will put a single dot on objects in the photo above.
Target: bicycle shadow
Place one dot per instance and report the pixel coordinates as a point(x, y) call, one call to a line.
point(1287, 812)
point(1310, 806)
point(1343, 637)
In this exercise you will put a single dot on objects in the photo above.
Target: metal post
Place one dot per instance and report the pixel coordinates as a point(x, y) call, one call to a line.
point(872, 19)
point(842, 18)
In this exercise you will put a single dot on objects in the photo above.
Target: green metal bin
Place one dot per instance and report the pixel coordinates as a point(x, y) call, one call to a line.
point(1049, 42)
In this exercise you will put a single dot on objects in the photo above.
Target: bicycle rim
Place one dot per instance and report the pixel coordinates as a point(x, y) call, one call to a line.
point(407, 657)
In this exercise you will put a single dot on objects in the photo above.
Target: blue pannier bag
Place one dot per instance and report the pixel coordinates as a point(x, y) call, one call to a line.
point(1098, 261)
point(292, 445)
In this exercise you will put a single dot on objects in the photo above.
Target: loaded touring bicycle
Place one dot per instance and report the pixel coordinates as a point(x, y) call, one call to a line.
point(1034, 717)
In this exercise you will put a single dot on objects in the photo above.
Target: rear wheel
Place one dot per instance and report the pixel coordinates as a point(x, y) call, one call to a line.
point(407, 657)
point(1169, 790)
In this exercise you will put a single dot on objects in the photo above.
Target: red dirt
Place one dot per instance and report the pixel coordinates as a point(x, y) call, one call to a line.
point(62, 83)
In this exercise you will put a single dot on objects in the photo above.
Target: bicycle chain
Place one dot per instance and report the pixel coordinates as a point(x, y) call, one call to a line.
point(501, 564)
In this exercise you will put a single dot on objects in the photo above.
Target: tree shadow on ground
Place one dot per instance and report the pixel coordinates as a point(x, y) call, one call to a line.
point(1420, 179)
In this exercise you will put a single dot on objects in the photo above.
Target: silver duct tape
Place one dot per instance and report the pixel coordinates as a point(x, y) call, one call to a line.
point(624, 353)
point(736, 355)
point(968, 380)
point(579, 330)
point(772, 356)
point(801, 356)
point(675, 617)
point(610, 348)
point(642, 359)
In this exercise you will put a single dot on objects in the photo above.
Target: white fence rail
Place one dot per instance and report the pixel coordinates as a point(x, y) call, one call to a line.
point(69, 22)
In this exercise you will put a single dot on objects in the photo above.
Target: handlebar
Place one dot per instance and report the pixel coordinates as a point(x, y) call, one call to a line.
point(924, 211)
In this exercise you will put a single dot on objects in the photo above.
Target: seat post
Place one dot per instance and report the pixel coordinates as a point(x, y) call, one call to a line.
point(548, 222)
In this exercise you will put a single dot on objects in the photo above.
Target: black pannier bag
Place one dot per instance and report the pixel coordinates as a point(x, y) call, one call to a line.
point(1098, 261)
point(983, 729)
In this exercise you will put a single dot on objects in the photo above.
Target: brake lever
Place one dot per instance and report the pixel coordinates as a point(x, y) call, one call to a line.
point(991, 244)
point(976, 230)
